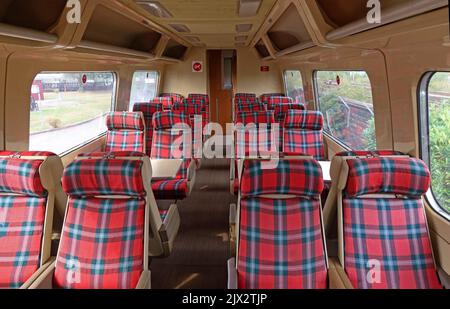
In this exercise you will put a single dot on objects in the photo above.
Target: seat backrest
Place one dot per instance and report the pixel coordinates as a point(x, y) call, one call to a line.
point(148, 110)
point(282, 109)
point(126, 132)
point(176, 98)
point(245, 97)
point(303, 134)
point(383, 233)
point(169, 143)
point(330, 208)
point(253, 135)
point(272, 102)
point(280, 235)
point(111, 214)
point(29, 185)
point(203, 100)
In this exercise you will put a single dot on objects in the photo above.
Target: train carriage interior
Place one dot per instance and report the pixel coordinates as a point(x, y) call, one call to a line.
point(224, 144)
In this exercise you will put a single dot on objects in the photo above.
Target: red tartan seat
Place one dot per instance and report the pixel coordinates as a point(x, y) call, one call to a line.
point(280, 239)
point(29, 182)
point(148, 110)
point(330, 208)
point(202, 100)
point(165, 147)
point(111, 226)
point(264, 98)
point(303, 134)
point(126, 132)
point(383, 226)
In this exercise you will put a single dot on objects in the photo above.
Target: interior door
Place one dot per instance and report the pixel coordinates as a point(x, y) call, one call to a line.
point(222, 81)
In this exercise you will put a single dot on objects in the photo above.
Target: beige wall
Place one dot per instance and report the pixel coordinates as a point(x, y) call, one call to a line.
point(179, 78)
point(251, 79)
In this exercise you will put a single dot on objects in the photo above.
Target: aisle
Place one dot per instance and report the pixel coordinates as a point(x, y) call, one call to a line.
point(201, 249)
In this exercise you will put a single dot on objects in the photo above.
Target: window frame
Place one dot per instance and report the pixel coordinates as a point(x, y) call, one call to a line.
point(317, 102)
point(158, 81)
point(423, 124)
point(113, 106)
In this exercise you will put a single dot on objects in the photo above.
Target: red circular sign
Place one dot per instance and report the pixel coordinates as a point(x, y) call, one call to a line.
point(197, 66)
point(84, 79)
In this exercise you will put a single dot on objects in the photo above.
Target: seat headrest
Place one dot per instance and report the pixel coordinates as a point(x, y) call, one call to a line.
point(283, 108)
point(21, 176)
point(188, 107)
point(387, 175)
point(250, 106)
point(300, 177)
point(255, 117)
point(166, 102)
point(148, 109)
point(274, 101)
point(376, 153)
point(125, 121)
point(97, 177)
point(305, 120)
point(168, 119)
point(265, 97)
point(197, 98)
point(174, 96)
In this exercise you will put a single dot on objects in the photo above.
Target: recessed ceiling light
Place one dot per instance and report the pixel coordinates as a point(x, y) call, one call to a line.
point(249, 8)
point(155, 8)
point(244, 27)
point(180, 28)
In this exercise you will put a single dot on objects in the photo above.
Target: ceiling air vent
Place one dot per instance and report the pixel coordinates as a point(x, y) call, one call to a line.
point(244, 28)
point(180, 28)
point(249, 8)
point(155, 8)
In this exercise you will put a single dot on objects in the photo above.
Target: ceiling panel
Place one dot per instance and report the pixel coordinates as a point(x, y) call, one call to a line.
point(212, 21)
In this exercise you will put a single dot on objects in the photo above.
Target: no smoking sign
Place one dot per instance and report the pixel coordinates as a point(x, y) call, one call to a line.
point(197, 66)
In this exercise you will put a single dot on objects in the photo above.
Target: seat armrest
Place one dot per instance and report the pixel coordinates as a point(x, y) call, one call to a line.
point(169, 229)
point(444, 277)
point(232, 274)
point(45, 279)
point(338, 279)
point(232, 229)
point(191, 170)
point(144, 281)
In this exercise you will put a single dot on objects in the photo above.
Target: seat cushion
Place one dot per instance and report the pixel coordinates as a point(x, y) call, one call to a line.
point(102, 244)
point(280, 245)
point(170, 189)
point(389, 236)
point(21, 229)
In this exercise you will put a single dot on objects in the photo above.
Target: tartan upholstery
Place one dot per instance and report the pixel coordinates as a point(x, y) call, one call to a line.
point(176, 188)
point(280, 240)
point(148, 110)
point(250, 107)
point(282, 109)
point(391, 231)
point(102, 243)
point(166, 102)
point(274, 101)
point(264, 98)
point(256, 139)
point(111, 155)
point(167, 119)
point(376, 153)
point(203, 100)
point(23, 204)
point(93, 177)
point(245, 97)
point(297, 177)
point(176, 98)
point(303, 134)
point(126, 132)
point(387, 175)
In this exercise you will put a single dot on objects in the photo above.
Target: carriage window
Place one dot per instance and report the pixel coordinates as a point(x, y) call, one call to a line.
point(345, 99)
point(68, 109)
point(144, 87)
point(294, 85)
point(435, 130)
